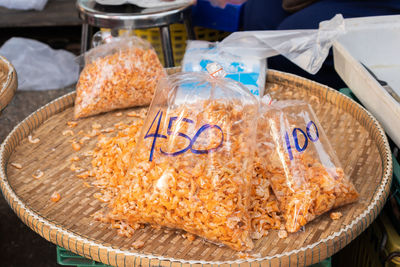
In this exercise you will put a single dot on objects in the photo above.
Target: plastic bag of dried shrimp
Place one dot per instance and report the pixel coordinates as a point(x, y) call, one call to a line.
point(304, 171)
point(119, 74)
point(192, 166)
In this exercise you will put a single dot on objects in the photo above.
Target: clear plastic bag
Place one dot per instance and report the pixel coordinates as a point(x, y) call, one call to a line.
point(307, 49)
point(119, 74)
point(243, 54)
point(192, 166)
point(264, 208)
point(305, 173)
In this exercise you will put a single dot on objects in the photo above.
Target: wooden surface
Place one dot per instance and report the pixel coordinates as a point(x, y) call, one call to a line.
point(358, 139)
point(55, 13)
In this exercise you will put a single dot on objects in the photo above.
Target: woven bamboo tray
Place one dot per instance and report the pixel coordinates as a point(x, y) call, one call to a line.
point(8, 82)
point(357, 137)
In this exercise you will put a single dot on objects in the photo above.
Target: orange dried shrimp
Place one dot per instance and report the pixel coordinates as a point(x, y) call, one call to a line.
point(124, 79)
point(303, 186)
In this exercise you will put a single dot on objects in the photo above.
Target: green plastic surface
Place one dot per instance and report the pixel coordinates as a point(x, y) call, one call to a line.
point(65, 257)
point(396, 180)
point(347, 92)
point(325, 263)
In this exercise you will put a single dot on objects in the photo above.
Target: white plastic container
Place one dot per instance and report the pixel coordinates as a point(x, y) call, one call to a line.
point(375, 42)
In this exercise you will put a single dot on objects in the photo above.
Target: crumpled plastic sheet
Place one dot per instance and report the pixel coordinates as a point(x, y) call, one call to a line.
point(38, 66)
point(306, 48)
point(24, 4)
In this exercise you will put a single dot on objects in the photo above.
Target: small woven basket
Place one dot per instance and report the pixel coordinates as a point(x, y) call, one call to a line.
point(8, 82)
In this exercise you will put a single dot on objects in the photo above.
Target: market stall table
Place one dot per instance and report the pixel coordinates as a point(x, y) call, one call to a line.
point(55, 13)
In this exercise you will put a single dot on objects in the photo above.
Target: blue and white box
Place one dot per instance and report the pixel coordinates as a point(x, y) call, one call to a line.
point(250, 71)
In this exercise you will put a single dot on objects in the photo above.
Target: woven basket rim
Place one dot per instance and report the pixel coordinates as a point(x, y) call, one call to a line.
point(9, 75)
point(10, 83)
point(379, 195)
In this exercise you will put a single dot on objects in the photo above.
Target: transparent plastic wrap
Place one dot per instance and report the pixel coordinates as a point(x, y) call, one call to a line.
point(193, 163)
point(243, 54)
point(48, 69)
point(119, 74)
point(306, 48)
point(264, 208)
point(304, 171)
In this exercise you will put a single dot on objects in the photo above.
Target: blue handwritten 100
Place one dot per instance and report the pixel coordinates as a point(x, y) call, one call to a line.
point(307, 136)
point(192, 141)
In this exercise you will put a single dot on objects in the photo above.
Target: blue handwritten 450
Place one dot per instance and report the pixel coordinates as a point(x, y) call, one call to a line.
point(192, 141)
point(307, 137)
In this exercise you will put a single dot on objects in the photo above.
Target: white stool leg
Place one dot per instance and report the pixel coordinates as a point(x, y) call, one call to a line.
point(167, 46)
